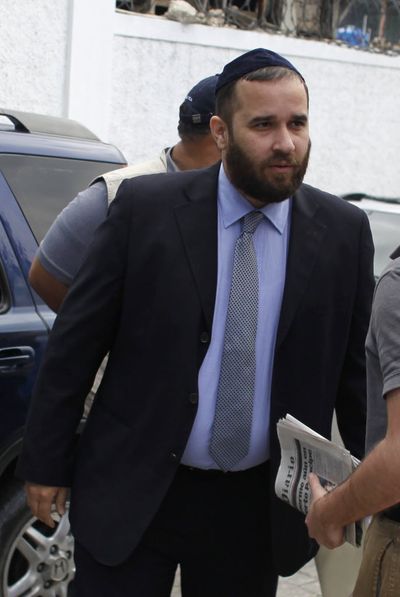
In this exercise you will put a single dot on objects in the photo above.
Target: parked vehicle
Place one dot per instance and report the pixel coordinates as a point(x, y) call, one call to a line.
point(44, 162)
point(384, 218)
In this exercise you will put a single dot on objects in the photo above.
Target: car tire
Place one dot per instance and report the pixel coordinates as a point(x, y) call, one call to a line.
point(33, 557)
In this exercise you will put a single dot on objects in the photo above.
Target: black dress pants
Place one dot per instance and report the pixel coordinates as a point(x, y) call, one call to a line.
point(213, 524)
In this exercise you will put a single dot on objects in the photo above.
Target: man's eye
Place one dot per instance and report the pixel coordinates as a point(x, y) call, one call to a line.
point(298, 124)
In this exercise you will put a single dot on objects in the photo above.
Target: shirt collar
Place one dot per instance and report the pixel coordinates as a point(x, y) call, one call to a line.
point(234, 206)
point(171, 166)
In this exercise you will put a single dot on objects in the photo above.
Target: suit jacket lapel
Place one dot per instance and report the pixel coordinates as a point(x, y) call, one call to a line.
point(197, 222)
point(306, 234)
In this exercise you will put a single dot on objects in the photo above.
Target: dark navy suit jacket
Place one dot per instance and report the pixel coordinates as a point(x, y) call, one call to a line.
point(146, 293)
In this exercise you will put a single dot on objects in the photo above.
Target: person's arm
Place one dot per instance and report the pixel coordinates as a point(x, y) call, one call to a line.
point(48, 287)
point(374, 486)
point(82, 334)
point(62, 250)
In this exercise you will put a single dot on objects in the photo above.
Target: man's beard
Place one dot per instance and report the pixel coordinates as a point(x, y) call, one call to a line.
point(249, 179)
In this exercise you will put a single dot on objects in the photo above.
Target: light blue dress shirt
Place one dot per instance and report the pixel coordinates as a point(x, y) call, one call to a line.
point(271, 246)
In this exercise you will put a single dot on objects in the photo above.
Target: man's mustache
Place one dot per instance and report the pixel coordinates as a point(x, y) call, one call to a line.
point(281, 160)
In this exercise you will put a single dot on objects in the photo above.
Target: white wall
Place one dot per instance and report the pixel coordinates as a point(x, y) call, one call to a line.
point(124, 75)
point(33, 53)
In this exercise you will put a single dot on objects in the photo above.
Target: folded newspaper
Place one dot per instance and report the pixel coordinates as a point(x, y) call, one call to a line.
point(303, 451)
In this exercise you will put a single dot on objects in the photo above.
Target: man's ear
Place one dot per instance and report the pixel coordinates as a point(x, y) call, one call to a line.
point(219, 131)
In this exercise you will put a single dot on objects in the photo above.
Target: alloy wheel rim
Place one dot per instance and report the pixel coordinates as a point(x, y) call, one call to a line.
point(40, 560)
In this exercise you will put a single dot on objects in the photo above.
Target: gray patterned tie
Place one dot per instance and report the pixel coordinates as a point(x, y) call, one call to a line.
point(230, 437)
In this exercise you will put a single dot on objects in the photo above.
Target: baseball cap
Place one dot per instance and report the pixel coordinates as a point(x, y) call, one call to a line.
point(249, 62)
point(199, 104)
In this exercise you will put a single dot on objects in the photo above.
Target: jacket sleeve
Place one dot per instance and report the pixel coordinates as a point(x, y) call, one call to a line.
point(82, 334)
point(351, 399)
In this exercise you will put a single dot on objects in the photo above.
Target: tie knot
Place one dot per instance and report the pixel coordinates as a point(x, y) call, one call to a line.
point(251, 221)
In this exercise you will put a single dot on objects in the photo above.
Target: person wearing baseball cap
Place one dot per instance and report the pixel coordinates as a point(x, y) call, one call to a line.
point(227, 297)
point(63, 248)
point(196, 148)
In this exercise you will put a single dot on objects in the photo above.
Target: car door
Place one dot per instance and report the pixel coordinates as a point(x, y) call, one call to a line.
point(23, 333)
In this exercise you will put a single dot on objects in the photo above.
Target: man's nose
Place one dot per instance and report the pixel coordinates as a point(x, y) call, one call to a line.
point(283, 141)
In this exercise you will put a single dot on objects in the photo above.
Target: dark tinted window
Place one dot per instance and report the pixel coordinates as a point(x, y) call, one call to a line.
point(43, 186)
point(4, 293)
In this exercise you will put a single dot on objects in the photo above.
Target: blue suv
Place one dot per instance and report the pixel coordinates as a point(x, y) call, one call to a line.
point(44, 162)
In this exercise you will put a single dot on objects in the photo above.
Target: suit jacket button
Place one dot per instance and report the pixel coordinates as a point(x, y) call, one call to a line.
point(204, 337)
point(194, 397)
point(173, 456)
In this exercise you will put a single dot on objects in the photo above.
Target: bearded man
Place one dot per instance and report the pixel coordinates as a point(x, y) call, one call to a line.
point(226, 298)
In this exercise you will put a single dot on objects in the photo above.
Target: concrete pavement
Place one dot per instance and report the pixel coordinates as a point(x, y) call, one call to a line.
point(302, 584)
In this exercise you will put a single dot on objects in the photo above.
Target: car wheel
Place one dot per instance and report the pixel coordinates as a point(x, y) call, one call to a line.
point(34, 560)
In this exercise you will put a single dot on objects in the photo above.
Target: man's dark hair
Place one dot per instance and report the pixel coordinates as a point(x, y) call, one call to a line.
point(226, 96)
point(191, 132)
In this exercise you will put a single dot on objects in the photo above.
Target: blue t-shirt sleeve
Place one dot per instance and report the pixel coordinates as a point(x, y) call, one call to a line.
point(63, 249)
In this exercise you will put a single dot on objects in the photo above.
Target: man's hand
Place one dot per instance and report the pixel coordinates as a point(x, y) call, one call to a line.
point(41, 498)
point(324, 534)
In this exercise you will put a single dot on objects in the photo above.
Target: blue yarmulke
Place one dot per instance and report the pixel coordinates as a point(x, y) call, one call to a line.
point(249, 62)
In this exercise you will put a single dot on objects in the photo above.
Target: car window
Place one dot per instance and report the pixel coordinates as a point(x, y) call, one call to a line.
point(385, 229)
point(4, 302)
point(43, 185)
